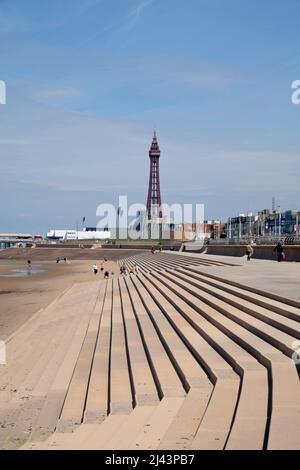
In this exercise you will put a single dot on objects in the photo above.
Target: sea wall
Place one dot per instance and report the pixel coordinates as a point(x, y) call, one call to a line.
point(292, 253)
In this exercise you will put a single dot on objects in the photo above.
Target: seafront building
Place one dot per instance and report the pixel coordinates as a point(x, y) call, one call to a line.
point(265, 225)
point(8, 240)
point(73, 235)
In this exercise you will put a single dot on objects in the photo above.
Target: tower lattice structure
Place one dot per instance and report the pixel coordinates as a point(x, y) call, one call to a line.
point(154, 195)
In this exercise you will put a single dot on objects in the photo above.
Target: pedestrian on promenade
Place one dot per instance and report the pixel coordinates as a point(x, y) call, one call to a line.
point(280, 253)
point(57, 260)
point(106, 275)
point(95, 268)
point(29, 264)
point(249, 251)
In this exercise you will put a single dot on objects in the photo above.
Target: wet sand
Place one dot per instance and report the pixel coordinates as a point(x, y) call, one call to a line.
point(22, 297)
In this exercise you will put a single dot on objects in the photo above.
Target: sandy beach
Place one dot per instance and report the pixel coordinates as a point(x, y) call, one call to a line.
point(22, 297)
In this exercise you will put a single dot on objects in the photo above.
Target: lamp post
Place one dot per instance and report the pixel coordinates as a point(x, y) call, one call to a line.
point(279, 221)
point(229, 229)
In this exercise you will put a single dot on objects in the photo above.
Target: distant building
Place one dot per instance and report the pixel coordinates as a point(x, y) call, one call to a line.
point(199, 230)
point(73, 235)
point(266, 224)
point(38, 237)
point(8, 240)
point(218, 230)
point(243, 226)
point(281, 223)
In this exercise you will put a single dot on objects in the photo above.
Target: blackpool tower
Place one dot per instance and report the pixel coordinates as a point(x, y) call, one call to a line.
point(154, 209)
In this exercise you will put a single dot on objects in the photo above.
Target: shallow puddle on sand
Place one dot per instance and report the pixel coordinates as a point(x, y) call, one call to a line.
point(15, 270)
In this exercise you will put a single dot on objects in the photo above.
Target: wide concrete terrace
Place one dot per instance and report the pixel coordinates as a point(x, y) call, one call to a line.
point(178, 356)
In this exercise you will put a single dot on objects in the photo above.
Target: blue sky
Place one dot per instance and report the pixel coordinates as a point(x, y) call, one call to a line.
point(87, 81)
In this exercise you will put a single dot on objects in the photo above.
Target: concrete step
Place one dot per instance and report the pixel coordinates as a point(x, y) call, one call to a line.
point(51, 411)
point(121, 399)
point(74, 405)
point(186, 366)
point(144, 389)
point(163, 260)
point(181, 432)
point(131, 427)
point(23, 410)
point(85, 437)
point(185, 317)
point(267, 354)
point(277, 303)
point(268, 333)
point(166, 378)
point(216, 423)
point(97, 401)
point(247, 303)
point(157, 425)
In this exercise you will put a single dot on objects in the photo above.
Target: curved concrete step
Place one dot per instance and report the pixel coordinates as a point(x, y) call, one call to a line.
point(281, 309)
point(280, 340)
point(265, 353)
point(121, 399)
point(186, 366)
point(158, 424)
point(163, 371)
point(131, 428)
point(144, 389)
point(187, 320)
point(74, 404)
point(97, 400)
point(51, 411)
point(263, 297)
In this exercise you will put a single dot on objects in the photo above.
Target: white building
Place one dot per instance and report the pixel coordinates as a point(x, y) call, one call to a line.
point(73, 235)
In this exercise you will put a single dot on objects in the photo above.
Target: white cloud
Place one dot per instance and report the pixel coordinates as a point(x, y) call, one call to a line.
point(139, 9)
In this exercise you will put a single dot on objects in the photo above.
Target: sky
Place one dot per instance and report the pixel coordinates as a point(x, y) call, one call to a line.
point(89, 80)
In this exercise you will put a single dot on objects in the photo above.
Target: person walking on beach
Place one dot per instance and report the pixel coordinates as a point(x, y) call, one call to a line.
point(57, 260)
point(106, 275)
point(29, 264)
point(95, 268)
point(133, 269)
point(249, 251)
point(280, 253)
point(122, 270)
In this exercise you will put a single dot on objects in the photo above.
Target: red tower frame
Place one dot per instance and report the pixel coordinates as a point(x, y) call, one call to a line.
point(154, 195)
